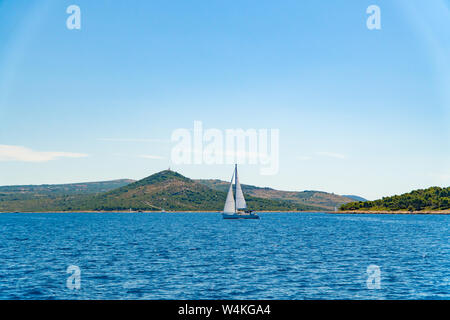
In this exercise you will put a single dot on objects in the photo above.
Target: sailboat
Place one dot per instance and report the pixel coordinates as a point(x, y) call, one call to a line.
point(236, 209)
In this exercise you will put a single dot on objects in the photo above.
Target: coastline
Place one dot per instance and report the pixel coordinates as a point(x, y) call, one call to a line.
point(167, 211)
point(438, 212)
point(392, 212)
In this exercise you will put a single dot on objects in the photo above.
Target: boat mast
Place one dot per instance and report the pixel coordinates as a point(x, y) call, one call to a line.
point(235, 188)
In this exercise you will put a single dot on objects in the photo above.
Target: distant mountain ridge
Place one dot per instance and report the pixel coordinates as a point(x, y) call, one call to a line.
point(355, 198)
point(317, 199)
point(166, 190)
point(25, 191)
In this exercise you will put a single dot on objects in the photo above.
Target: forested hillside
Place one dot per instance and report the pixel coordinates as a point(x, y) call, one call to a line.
point(434, 198)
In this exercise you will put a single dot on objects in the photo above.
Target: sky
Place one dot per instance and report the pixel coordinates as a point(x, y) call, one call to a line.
point(359, 111)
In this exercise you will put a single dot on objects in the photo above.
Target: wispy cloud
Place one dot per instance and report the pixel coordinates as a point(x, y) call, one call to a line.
point(23, 154)
point(132, 140)
point(144, 156)
point(441, 176)
point(331, 155)
point(149, 156)
point(227, 153)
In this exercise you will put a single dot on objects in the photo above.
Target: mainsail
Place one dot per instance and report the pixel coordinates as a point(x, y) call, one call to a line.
point(236, 209)
point(240, 201)
point(229, 203)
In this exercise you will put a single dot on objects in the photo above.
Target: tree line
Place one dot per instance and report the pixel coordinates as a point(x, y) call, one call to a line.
point(434, 198)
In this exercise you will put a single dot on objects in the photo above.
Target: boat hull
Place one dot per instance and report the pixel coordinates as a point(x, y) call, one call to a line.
point(239, 216)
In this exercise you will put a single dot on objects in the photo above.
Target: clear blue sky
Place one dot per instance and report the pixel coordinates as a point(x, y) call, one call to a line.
point(360, 112)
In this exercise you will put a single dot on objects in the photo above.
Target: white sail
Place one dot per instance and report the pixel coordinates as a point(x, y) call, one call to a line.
point(229, 203)
point(240, 200)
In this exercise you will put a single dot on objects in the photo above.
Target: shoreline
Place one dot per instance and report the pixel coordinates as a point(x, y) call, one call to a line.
point(438, 212)
point(178, 211)
point(444, 212)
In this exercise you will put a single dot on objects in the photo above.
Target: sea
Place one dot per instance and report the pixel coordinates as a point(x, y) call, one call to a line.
point(201, 256)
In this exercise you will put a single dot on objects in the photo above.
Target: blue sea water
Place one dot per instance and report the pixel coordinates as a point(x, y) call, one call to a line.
point(201, 256)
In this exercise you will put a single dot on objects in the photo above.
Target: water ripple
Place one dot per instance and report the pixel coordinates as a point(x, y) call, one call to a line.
point(201, 256)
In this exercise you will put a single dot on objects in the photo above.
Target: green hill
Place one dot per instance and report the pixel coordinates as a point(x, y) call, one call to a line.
point(25, 192)
point(164, 190)
point(317, 199)
point(431, 199)
point(354, 198)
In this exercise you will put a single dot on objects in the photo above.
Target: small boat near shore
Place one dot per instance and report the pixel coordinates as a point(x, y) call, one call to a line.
point(236, 209)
